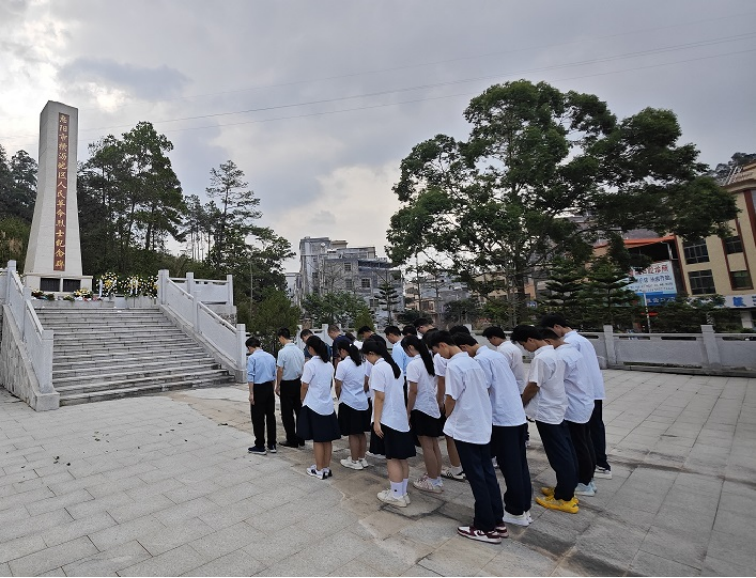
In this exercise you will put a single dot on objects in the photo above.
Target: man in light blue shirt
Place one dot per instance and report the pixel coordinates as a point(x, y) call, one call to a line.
point(290, 364)
point(261, 376)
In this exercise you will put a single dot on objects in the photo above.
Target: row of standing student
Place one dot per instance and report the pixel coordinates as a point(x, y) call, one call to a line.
point(463, 389)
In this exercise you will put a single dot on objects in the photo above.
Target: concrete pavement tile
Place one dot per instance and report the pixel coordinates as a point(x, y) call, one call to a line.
point(33, 525)
point(192, 490)
point(54, 572)
point(382, 524)
point(37, 482)
point(92, 507)
point(328, 522)
point(274, 547)
point(12, 549)
point(318, 559)
point(224, 516)
point(416, 570)
point(147, 489)
point(162, 540)
point(735, 548)
point(358, 568)
point(715, 567)
point(126, 532)
point(171, 563)
point(77, 528)
point(514, 559)
point(109, 562)
point(460, 557)
point(5, 569)
point(686, 546)
point(32, 496)
point(12, 514)
point(237, 563)
point(226, 540)
point(51, 558)
point(610, 540)
point(743, 502)
point(114, 486)
point(140, 508)
point(433, 531)
point(236, 493)
point(646, 564)
point(739, 523)
point(190, 509)
point(60, 501)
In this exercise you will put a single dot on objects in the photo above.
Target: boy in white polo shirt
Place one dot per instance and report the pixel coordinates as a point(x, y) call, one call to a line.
point(468, 421)
point(509, 428)
point(545, 401)
point(579, 409)
point(558, 324)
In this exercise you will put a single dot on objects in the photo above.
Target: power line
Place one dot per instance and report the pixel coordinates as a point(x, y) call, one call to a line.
point(446, 61)
point(670, 48)
point(424, 99)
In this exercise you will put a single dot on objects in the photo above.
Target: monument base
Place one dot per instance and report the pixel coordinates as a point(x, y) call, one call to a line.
point(57, 282)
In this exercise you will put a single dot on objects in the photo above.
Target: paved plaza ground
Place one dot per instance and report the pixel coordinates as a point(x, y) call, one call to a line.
point(163, 486)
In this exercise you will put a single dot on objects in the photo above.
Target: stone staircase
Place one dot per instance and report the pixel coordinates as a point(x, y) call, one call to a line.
point(112, 353)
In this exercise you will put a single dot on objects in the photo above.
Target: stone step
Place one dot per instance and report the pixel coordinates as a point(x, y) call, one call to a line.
point(136, 344)
point(100, 314)
point(64, 336)
point(164, 373)
point(130, 367)
point(63, 363)
point(190, 379)
point(104, 323)
point(109, 394)
point(187, 347)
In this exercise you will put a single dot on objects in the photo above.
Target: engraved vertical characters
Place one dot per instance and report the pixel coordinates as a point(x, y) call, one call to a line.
point(61, 194)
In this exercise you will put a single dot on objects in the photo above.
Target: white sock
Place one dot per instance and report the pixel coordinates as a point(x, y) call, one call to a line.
point(405, 483)
point(456, 469)
point(396, 489)
point(437, 481)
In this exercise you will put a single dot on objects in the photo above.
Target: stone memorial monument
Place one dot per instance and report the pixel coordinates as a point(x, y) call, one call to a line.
point(53, 260)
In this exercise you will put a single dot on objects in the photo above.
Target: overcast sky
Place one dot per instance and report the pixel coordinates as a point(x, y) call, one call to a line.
point(318, 101)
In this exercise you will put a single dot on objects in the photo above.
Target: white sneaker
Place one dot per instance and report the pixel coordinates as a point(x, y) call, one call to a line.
point(593, 485)
point(584, 490)
point(529, 517)
point(388, 498)
point(602, 473)
point(425, 485)
point(407, 499)
point(352, 464)
point(521, 520)
point(448, 473)
point(363, 462)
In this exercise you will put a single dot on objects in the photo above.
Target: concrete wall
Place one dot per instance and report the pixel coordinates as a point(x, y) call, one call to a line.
point(16, 373)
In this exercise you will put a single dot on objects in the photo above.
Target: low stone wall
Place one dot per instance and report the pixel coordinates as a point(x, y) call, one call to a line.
point(16, 373)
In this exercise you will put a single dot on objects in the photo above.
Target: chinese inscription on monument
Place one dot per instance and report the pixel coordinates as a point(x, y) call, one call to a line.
point(61, 194)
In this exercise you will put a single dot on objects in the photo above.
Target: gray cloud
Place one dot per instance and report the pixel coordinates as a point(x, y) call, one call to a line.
point(148, 83)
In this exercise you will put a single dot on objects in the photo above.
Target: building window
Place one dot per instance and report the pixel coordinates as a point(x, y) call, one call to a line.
point(701, 282)
point(365, 283)
point(740, 280)
point(696, 252)
point(733, 245)
point(347, 267)
point(348, 284)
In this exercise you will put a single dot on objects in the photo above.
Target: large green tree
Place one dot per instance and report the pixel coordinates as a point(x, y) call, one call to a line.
point(546, 173)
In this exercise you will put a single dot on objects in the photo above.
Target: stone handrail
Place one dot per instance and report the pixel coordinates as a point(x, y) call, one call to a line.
point(208, 290)
point(224, 340)
point(38, 341)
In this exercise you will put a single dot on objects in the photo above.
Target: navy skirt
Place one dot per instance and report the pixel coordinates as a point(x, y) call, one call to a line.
point(425, 425)
point(318, 428)
point(396, 445)
point(353, 421)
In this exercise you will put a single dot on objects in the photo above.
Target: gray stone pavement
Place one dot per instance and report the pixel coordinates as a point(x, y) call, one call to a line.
point(163, 486)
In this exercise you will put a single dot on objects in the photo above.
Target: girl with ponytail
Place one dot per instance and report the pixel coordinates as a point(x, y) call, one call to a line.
point(423, 412)
point(354, 410)
point(317, 418)
point(390, 423)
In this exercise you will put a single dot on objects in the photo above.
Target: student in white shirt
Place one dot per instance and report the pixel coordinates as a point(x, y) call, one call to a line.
point(509, 428)
point(545, 401)
point(390, 422)
point(423, 411)
point(469, 421)
point(454, 471)
point(579, 409)
point(317, 419)
point(558, 324)
point(354, 410)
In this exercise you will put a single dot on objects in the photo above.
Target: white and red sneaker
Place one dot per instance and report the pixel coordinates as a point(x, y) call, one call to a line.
point(473, 533)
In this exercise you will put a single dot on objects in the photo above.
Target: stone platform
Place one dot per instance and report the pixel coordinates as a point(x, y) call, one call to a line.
point(163, 486)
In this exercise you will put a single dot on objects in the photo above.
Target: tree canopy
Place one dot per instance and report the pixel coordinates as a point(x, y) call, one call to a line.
point(546, 173)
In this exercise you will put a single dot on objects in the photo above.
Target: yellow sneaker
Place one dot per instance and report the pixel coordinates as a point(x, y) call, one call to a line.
point(559, 505)
point(548, 491)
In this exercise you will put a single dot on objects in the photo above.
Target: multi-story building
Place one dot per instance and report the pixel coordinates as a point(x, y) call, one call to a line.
point(430, 294)
point(725, 266)
point(328, 266)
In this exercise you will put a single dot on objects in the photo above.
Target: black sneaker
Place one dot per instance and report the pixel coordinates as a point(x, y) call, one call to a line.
point(288, 444)
point(272, 448)
point(257, 450)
